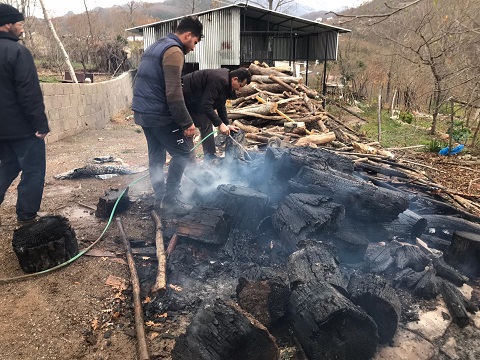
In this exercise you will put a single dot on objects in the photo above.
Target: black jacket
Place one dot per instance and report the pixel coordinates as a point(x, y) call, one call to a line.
point(206, 91)
point(22, 112)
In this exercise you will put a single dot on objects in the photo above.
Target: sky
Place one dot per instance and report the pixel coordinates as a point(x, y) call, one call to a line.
point(61, 7)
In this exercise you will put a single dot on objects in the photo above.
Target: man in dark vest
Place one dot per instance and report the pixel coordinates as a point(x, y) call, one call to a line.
point(159, 107)
point(206, 91)
point(23, 123)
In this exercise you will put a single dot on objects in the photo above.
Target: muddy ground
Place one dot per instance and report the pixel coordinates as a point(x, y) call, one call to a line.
point(84, 310)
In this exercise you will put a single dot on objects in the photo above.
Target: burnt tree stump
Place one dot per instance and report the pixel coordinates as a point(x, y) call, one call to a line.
point(245, 206)
point(329, 326)
point(464, 253)
point(206, 225)
point(107, 202)
point(379, 300)
point(362, 201)
point(316, 262)
point(266, 300)
point(407, 226)
point(306, 216)
point(224, 331)
point(44, 244)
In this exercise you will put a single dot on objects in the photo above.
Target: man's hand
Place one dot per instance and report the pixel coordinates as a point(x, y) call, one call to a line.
point(40, 136)
point(224, 129)
point(233, 128)
point(190, 131)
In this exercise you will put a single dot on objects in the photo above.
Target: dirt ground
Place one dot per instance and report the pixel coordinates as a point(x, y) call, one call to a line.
point(84, 310)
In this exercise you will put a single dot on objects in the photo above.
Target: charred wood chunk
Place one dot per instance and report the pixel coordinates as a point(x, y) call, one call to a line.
point(362, 201)
point(449, 273)
point(435, 242)
point(329, 326)
point(379, 259)
point(48, 242)
point(233, 146)
point(407, 226)
point(224, 331)
point(351, 245)
point(245, 206)
point(316, 261)
point(428, 287)
point(206, 225)
point(378, 169)
point(266, 300)
point(287, 162)
point(107, 203)
point(464, 253)
point(411, 256)
point(407, 277)
point(379, 300)
point(444, 226)
point(428, 206)
point(456, 304)
point(306, 216)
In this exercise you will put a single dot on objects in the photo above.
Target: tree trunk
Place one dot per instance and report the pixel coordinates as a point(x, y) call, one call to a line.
point(224, 331)
point(328, 326)
point(379, 300)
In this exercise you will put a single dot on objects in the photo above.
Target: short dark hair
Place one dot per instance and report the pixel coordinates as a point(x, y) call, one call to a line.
point(190, 24)
point(241, 74)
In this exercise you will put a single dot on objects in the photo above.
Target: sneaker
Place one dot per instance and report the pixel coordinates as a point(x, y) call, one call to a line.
point(175, 206)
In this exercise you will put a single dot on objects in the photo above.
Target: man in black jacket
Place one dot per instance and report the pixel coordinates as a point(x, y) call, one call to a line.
point(206, 91)
point(23, 123)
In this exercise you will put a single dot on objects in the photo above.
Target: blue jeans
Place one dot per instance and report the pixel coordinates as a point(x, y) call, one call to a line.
point(25, 155)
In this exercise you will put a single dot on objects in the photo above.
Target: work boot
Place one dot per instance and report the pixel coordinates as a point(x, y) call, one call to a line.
point(171, 205)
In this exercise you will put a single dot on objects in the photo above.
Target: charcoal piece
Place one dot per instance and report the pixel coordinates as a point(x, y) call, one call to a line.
point(428, 287)
point(379, 260)
point(411, 256)
point(206, 225)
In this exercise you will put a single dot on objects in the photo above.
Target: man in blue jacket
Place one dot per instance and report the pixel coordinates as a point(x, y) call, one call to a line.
point(159, 108)
point(206, 91)
point(23, 123)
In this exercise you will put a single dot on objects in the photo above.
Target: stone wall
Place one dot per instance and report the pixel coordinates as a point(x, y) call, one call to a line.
point(72, 108)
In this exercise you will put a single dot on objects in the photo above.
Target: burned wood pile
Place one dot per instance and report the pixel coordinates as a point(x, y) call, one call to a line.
point(308, 239)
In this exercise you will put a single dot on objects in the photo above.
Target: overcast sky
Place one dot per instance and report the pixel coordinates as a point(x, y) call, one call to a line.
point(61, 7)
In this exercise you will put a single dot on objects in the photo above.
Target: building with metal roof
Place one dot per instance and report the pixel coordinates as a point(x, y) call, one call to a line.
point(239, 34)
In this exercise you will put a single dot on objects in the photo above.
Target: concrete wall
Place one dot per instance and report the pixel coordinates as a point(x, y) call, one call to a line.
point(72, 108)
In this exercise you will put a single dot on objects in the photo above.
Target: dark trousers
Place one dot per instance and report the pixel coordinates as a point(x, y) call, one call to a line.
point(205, 126)
point(160, 140)
point(28, 156)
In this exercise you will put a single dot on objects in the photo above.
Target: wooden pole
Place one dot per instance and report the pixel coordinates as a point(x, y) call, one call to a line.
point(137, 303)
point(160, 285)
point(380, 115)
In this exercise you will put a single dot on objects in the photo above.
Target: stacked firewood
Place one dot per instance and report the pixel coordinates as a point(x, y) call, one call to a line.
point(276, 108)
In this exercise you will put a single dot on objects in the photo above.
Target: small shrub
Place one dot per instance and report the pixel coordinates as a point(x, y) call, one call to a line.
point(406, 117)
point(435, 145)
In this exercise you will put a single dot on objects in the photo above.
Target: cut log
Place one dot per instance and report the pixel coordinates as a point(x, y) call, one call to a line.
point(205, 225)
point(362, 201)
point(258, 70)
point(160, 286)
point(266, 300)
point(456, 304)
point(44, 244)
point(263, 109)
point(287, 162)
point(316, 139)
point(351, 245)
point(379, 300)
point(107, 203)
point(329, 326)
point(266, 80)
point(258, 138)
point(254, 88)
point(316, 262)
point(224, 331)
point(449, 273)
point(245, 206)
point(306, 216)
point(444, 226)
point(379, 260)
point(411, 256)
point(436, 242)
point(428, 287)
point(246, 128)
point(377, 169)
point(407, 277)
point(407, 226)
point(464, 253)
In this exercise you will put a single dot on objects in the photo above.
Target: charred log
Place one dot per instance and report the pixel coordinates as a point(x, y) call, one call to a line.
point(428, 206)
point(464, 253)
point(42, 245)
point(435, 242)
point(329, 326)
point(428, 287)
point(411, 256)
point(106, 203)
point(379, 300)
point(206, 225)
point(224, 331)
point(316, 262)
point(444, 226)
point(362, 200)
point(407, 277)
point(305, 216)
point(246, 207)
point(407, 226)
point(351, 245)
point(449, 273)
point(266, 300)
point(379, 260)
point(456, 304)
point(233, 146)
